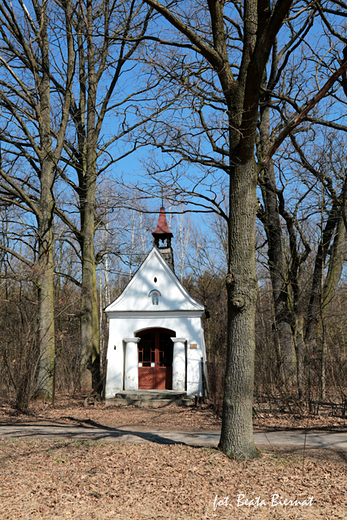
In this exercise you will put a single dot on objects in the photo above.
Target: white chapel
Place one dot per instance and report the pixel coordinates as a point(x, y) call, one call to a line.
point(156, 338)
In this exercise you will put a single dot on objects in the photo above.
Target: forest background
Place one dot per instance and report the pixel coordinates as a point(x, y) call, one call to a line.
point(108, 106)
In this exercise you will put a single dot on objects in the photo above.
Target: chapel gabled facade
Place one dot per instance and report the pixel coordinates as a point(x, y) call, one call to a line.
point(156, 338)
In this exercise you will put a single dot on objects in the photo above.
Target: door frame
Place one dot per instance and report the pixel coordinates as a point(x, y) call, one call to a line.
point(158, 378)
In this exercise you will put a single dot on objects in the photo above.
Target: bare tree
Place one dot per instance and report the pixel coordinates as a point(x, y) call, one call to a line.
point(95, 46)
point(106, 38)
point(27, 99)
point(220, 57)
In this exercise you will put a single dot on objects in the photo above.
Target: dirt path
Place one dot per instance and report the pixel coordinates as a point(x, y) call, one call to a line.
point(133, 434)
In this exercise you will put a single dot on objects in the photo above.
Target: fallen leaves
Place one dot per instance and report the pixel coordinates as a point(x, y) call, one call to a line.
point(85, 480)
point(151, 481)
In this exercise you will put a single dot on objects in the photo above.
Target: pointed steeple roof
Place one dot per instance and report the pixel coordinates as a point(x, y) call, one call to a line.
point(162, 230)
point(163, 234)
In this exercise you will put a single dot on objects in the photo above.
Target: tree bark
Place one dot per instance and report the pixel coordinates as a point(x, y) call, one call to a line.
point(237, 428)
point(46, 301)
point(89, 307)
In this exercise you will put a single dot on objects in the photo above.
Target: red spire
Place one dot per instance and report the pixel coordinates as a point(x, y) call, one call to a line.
point(162, 227)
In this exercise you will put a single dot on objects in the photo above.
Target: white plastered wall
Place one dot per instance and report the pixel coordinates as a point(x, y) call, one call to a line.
point(125, 325)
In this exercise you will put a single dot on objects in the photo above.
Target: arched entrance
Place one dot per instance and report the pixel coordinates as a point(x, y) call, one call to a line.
point(155, 353)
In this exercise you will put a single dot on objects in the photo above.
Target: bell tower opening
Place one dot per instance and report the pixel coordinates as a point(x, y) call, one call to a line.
point(162, 238)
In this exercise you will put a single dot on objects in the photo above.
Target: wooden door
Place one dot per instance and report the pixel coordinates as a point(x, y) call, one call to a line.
point(155, 352)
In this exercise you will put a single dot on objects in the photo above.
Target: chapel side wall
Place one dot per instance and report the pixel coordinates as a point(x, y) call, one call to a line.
point(194, 375)
point(115, 359)
point(204, 355)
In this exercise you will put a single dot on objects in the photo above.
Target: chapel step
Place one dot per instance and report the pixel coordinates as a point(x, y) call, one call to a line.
point(151, 394)
point(150, 398)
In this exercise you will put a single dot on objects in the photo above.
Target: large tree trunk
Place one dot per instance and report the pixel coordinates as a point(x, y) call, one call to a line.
point(87, 138)
point(46, 313)
point(89, 308)
point(45, 225)
point(237, 428)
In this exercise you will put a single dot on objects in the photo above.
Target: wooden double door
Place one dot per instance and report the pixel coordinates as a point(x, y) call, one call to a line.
point(155, 353)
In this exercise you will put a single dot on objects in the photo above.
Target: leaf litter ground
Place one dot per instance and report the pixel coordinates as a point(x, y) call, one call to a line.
point(43, 479)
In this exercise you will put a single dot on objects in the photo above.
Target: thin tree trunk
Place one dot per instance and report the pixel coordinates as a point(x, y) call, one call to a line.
point(270, 217)
point(314, 323)
point(282, 329)
point(300, 355)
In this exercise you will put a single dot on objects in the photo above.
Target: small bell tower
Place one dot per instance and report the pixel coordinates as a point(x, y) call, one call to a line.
point(163, 234)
